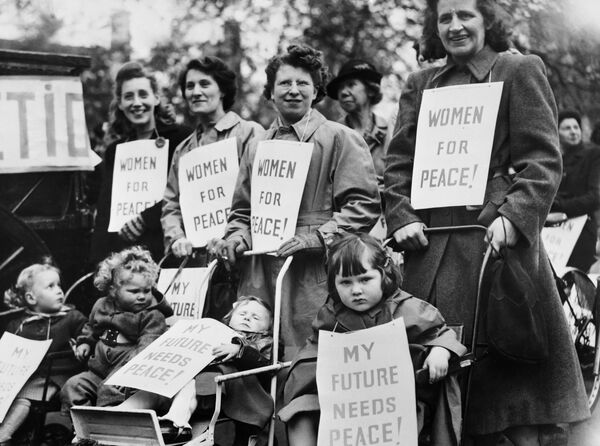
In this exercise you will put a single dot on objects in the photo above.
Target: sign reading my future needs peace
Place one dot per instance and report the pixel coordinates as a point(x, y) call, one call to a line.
point(139, 179)
point(278, 178)
point(366, 387)
point(207, 178)
point(171, 361)
point(43, 125)
point(455, 133)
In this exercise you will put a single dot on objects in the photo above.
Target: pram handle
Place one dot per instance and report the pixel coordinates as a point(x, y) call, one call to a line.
point(455, 366)
point(391, 242)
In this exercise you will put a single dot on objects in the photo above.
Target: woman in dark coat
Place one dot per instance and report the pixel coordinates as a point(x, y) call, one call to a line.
point(136, 114)
point(508, 400)
point(579, 191)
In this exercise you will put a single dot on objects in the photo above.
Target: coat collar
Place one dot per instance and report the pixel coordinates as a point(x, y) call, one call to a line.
point(228, 121)
point(479, 65)
point(306, 127)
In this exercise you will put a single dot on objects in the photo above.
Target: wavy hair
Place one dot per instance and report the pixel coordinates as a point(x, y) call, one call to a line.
point(117, 268)
point(299, 56)
point(219, 71)
point(14, 297)
point(497, 29)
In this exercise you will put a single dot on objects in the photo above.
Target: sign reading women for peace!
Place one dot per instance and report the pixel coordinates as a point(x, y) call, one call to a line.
point(278, 178)
point(206, 182)
point(366, 387)
point(559, 241)
point(43, 125)
point(20, 358)
point(170, 362)
point(139, 179)
point(186, 294)
point(455, 133)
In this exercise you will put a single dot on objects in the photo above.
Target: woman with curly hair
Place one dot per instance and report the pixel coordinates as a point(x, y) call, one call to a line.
point(510, 402)
point(340, 195)
point(136, 113)
point(209, 88)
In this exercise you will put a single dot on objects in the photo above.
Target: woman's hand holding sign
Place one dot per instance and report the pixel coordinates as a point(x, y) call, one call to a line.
point(182, 247)
point(411, 236)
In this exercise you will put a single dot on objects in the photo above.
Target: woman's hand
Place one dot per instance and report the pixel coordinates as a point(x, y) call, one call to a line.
point(411, 236)
point(82, 352)
point(227, 251)
point(181, 247)
point(502, 233)
point(225, 352)
point(437, 363)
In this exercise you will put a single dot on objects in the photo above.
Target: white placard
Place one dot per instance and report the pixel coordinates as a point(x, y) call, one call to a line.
point(559, 241)
point(20, 358)
point(170, 362)
point(187, 293)
point(366, 387)
point(455, 133)
point(278, 177)
point(139, 179)
point(207, 178)
point(43, 125)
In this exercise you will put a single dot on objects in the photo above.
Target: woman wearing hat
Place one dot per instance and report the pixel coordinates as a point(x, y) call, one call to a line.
point(356, 87)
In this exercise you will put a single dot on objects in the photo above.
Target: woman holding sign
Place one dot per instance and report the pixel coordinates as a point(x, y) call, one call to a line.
point(339, 194)
point(209, 88)
point(137, 114)
point(511, 401)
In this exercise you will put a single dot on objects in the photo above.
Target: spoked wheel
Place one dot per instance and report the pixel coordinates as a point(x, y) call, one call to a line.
point(20, 246)
point(582, 316)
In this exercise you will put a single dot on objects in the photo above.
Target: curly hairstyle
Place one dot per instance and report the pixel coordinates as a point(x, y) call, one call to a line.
point(119, 126)
point(299, 56)
point(345, 257)
point(15, 297)
point(117, 268)
point(221, 73)
point(243, 300)
point(497, 29)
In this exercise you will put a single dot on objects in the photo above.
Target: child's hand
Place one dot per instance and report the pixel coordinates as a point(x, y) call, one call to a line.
point(437, 363)
point(226, 351)
point(82, 352)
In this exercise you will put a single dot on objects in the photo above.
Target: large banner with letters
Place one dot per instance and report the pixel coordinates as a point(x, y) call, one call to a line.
point(139, 179)
point(455, 133)
point(207, 178)
point(366, 387)
point(43, 125)
point(278, 177)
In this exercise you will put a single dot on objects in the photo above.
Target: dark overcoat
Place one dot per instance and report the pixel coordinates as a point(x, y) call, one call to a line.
point(525, 171)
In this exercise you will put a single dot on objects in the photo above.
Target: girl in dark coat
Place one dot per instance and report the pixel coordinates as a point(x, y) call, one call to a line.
point(509, 400)
point(363, 293)
point(136, 114)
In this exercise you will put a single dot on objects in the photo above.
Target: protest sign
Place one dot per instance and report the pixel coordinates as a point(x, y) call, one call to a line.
point(186, 294)
point(559, 241)
point(139, 179)
point(20, 358)
point(43, 125)
point(207, 178)
point(170, 362)
point(278, 178)
point(366, 387)
point(455, 133)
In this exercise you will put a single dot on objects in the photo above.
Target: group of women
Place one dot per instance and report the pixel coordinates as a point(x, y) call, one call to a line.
point(509, 404)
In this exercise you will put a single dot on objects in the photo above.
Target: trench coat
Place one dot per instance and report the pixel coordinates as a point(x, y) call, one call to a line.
point(445, 273)
point(340, 194)
point(425, 327)
point(104, 242)
point(229, 126)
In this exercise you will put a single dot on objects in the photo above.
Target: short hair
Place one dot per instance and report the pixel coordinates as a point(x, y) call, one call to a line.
point(113, 271)
point(497, 29)
point(242, 300)
point(119, 125)
point(299, 56)
point(14, 297)
point(219, 71)
point(569, 114)
point(345, 256)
